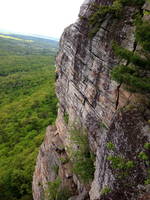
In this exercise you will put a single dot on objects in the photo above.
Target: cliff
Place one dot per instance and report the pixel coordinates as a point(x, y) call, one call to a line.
point(115, 121)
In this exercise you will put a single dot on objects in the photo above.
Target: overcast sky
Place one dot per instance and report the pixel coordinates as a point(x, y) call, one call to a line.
point(45, 17)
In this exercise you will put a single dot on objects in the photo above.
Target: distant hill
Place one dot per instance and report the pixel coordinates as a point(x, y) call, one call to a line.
point(26, 45)
point(45, 37)
point(7, 32)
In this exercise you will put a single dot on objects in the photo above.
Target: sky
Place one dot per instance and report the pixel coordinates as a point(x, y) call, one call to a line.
point(43, 17)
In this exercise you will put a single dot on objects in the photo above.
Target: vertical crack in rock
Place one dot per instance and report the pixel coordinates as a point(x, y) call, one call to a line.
point(118, 93)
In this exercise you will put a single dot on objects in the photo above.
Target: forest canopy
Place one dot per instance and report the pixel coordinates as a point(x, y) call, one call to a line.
point(27, 106)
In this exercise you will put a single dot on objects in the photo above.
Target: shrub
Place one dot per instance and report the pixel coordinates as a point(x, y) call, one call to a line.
point(143, 156)
point(55, 192)
point(147, 146)
point(82, 158)
point(134, 75)
point(143, 35)
point(121, 166)
point(115, 10)
point(98, 16)
point(64, 160)
point(110, 146)
point(63, 194)
point(133, 2)
point(66, 117)
point(147, 181)
point(53, 189)
point(118, 162)
point(106, 190)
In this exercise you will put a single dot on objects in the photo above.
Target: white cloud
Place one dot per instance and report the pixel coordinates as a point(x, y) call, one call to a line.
point(47, 17)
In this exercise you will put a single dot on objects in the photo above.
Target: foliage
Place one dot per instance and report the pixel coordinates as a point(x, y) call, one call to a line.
point(53, 188)
point(55, 168)
point(55, 192)
point(147, 145)
point(64, 160)
point(27, 106)
point(133, 2)
point(115, 10)
point(110, 146)
point(63, 194)
point(121, 166)
point(106, 190)
point(118, 162)
point(147, 181)
point(82, 158)
point(134, 75)
point(143, 35)
point(98, 16)
point(66, 117)
point(131, 57)
point(103, 125)
point(38, 46)
point(143, 156)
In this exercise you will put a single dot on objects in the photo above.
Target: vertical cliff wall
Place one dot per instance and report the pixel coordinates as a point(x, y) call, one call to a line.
point(116, 121)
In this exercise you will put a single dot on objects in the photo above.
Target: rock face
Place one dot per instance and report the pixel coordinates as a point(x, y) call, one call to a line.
point(47, 159)
point(50, 165)
point(116, 120)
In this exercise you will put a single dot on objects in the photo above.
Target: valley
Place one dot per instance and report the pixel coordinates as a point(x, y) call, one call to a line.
point(27, 106)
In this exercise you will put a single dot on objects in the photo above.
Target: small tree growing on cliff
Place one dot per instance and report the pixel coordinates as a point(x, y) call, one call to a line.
point(53, 189)
point(81, 156)
point(56, 192)
point(135, 75)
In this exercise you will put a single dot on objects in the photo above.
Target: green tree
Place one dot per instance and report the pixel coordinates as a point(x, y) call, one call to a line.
point(135, 74)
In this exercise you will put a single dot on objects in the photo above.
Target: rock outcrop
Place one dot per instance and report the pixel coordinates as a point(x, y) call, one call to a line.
point(117, 122)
